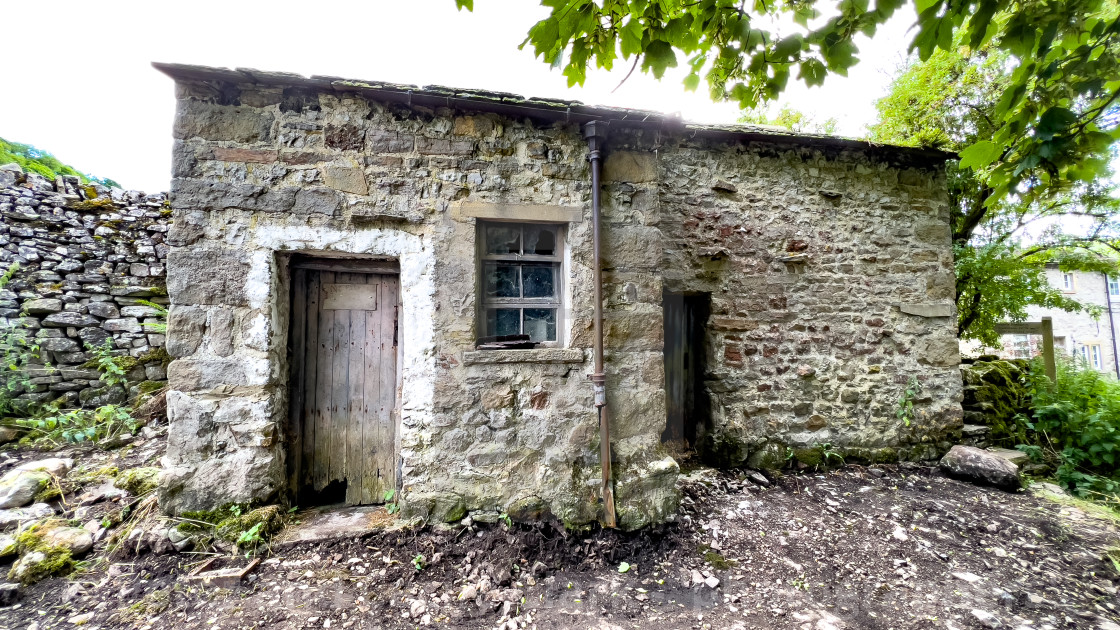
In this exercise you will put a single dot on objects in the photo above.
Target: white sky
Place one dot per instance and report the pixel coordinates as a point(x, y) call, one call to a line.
point(84, 91)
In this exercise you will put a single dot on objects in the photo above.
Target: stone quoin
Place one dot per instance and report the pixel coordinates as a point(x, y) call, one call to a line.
point(347, 256)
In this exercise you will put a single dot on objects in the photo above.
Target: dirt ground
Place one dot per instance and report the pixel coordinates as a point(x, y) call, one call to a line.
point(898, 547)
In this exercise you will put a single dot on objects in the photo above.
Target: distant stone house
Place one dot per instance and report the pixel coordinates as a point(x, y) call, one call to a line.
point(351, 263)
point(1088, 336)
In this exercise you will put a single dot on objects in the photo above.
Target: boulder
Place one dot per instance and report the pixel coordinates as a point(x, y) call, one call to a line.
point(979, 466)
point(19, 487)
point(8, 545)
point(76, 539)
point(9, 434)
point(9, 593)
point(57, 466)
point(17, 516)
point(1018, 458)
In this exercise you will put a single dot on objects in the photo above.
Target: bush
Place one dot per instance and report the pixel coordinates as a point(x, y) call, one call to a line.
point(80, 425)
point(1075, 423)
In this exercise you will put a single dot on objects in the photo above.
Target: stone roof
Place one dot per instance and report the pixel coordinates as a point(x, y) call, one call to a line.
point(535, 107)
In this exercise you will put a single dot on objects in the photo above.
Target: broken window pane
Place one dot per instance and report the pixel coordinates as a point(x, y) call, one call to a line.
point(502, 280)
point(503, 321)
point(540, 280)
point(540, 324)
point(540, 240)
point(503, 240)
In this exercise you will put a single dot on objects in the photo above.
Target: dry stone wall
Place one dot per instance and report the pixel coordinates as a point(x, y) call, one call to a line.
point(86, 257)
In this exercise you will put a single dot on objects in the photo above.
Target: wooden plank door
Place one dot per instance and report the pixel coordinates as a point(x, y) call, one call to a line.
point(344, 383)
point(686, 403)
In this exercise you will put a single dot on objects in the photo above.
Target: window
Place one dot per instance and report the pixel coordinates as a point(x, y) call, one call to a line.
point(521, 279)
point(1095, 356)
point(1067, 282)
point(1113, 286)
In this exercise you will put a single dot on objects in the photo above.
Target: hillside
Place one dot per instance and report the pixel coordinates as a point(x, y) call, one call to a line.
point(43, 163)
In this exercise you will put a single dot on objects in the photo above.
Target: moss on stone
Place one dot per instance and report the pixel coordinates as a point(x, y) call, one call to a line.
point(92, 205)
point(147, 387)
point(715, 559)
point(160, 291)
point(809, 457)
point(48, 493)
point(528, 510)
point(154, 355)
point(268, 517)
point(772, 456)
point(40, 559)
point(724, 450)
point(138, 481)
point(995, 392)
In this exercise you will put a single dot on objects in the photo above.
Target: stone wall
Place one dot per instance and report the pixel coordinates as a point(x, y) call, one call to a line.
point(832, 286)
point(808, 351)
point(87, 255)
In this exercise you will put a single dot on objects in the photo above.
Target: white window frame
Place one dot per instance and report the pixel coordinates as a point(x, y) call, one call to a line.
point(1069, 284)
point(558, 259)
point(1114, 286)
point(1096, 356)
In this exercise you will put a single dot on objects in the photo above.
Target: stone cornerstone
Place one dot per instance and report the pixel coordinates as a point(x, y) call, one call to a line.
point(87, 257)
point(826, 265)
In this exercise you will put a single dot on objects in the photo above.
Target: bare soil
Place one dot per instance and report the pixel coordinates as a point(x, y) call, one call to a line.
point(897, 547)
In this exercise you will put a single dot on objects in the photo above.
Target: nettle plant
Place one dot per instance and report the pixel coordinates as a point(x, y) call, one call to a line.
point(1075, 424)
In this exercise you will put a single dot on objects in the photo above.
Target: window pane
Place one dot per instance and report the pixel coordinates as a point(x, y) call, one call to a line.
point(501, 280)
point(503, 240)
point(540, 240)
point(503, 321)
point(540, 280)
point(540, 324)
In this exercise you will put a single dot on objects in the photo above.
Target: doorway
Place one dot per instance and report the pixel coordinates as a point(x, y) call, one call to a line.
point(344, 389)
point(687, 406)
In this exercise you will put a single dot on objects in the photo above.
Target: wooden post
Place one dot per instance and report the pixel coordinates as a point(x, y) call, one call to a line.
point(1048, 349)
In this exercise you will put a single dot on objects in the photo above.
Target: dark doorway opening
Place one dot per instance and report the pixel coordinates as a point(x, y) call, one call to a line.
point(687, 405)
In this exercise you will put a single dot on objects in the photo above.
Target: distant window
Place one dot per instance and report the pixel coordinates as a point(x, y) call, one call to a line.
point(1095, 358)
point(1067, 282)
point(521, 279)
point(1114, 286)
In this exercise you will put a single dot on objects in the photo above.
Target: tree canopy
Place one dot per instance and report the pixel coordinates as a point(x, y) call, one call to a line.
point(33, 160)
point(1056, 111)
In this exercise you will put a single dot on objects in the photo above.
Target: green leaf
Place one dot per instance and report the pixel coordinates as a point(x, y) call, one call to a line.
point(659, 57)
point(465, 4)
point(923, 5)
point(631, 38)
point(788, 48)
point(813, 72)
point(980, 155)
point(624, 567)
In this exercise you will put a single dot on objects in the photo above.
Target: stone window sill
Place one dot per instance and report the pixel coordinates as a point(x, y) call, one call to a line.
point(534, 355)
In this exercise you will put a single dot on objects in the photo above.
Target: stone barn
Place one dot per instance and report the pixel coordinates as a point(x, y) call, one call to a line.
point(388, 293)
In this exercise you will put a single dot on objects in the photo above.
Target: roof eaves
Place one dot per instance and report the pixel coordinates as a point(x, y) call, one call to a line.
point(553, 108)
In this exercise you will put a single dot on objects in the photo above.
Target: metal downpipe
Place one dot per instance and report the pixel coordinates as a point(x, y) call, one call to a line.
point(1111, 328)
point(594, 132)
